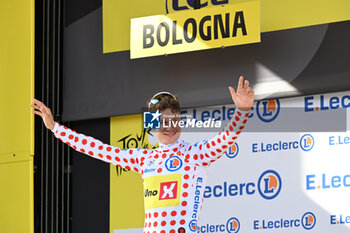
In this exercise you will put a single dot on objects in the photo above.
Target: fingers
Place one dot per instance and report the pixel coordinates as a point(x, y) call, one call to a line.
point(37, 113)
point(240, 83)
point(232, 91)
point(246, 84)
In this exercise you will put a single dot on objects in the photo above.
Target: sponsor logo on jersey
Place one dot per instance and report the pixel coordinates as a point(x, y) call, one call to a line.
point(322, 103)
point(162, 191)
point(269, 186)
point(173, 163)
point(232, 152)
point(307, 221)
point(196, 204)
point(232, 226)
point(326, 181)
point(306, 143)
point(339, 219)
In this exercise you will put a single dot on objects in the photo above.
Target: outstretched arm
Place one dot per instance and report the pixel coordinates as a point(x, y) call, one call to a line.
point(208, 151)
point(131, 159)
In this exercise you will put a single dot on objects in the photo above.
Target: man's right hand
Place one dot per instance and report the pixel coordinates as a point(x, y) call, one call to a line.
point(44, 112)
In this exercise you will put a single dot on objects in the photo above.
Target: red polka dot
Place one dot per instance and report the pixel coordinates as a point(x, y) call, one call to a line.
point(205, 164)
point(65, 127)
point(183, 213)
point(218, 140)
point(100, 155)
point(187, 168)
point(208, 145)
point(175, 149)
point(74, 147)
point(202, 156)
point(154, 231)
point(213, 153)
point(173, 222)
point(127, 167)
point(164, 214)
point(173, 213)
point(137, 160)
point(172, 231)
point(155, 214)
point(213, 143)
point(149, 215)
point(238, 132)
point(130, 151)
point(159, 170)
point(242, 127)
point(186, 177)
point(135, 169)
point(163, 156)
point(109, 149)
point(82, 150)
point(155, 224)
point(195, 157)
point(145, 216)
point(247, 114)
point(231, 128)
point(76, 139)
point(149, 224)
point(218, 150)
point(236, 118)
point(68, 143)
point(239, 113)
point(182, 221)
point(125, 160)
point(63, 134)
point(156, 156)
point(109, 157)
point(223, 137)
point(234, 124)
point(185, 194)
point(117, 150)
point(91, 153)
point(100, 147)
point(224, 147)
point(234, 138)
point(84, 141)
point(184, 203)
point(200, 146)
point(92, 144)
point(230, 143)
point(163, 223)
point(162, 231)
point(132, 160)
point(117, 159)
point(71, 137)
point(185, 185)
point(245, 121)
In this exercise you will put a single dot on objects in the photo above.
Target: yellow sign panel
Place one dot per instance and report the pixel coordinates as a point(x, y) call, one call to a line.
point(162, 191)
point(275, 15)
point(195, 30)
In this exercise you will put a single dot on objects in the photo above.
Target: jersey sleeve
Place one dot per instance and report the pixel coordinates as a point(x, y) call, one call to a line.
point(208, 151)
point(131, 159)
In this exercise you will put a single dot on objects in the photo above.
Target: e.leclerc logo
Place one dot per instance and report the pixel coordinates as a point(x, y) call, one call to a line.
point(326, 181)
point(268, 185)
point(268, 110)
point(339, 219)
point(307, 221)
point(173, 163)
point(232, 226)
point(306, 143)
point(322, 103)
point(232, 152)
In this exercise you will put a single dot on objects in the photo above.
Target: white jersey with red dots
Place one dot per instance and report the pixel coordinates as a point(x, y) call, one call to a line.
point(174, 176)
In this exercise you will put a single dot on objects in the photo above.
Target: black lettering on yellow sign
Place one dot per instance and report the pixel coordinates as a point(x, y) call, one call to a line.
point(208, 29)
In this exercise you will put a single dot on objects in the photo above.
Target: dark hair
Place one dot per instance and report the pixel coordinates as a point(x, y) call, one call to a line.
point(164, 103)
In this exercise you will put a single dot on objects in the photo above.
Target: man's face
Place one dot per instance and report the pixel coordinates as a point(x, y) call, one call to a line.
point(168, 133)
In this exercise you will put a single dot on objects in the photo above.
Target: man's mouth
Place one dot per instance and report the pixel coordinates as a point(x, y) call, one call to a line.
point(170, 134)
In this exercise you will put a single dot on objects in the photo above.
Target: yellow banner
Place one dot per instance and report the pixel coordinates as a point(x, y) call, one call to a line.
point(185, 31)
point(275, 15)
